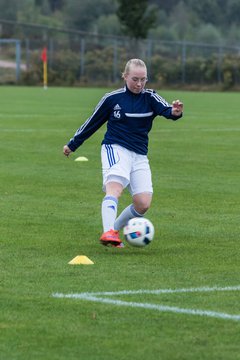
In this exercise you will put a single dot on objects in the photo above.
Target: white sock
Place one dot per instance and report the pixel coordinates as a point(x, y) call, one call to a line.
point(109, 212)
point(127, 214)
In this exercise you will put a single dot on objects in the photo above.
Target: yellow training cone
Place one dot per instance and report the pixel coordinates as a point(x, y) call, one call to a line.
point(81, 259)
point(81, 158)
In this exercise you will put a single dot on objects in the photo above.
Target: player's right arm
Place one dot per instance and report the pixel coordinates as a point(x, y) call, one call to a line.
point(91, 125)
point(66, 150)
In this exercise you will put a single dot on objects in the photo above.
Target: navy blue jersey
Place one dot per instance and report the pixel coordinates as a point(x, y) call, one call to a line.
point(129, 119)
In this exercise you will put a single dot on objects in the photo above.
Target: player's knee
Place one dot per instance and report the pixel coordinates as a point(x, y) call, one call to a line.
point(142, 204)
point(143, 208)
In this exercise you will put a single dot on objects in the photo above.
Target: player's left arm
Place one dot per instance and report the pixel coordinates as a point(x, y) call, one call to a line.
point(161, 107)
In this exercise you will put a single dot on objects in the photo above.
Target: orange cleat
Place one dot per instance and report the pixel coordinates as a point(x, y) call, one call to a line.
point(111, 238)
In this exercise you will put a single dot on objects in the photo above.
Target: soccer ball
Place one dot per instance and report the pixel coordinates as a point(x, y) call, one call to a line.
point(139, 231)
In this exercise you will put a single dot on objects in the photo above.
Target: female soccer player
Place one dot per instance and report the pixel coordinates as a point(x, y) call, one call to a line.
point(129, 113)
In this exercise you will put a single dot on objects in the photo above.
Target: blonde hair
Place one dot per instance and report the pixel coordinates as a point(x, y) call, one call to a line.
point(135, 62)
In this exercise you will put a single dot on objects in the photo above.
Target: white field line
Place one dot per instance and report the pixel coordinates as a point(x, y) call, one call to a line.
point(36, 115)
point(165, 291)
point(29, 130)
point(156, 131)
point(17, 116)
point(97, 297)
point(33, 116)
point(198, 130)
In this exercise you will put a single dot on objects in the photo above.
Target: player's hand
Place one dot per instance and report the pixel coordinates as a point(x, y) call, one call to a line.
point(66, 150)
point(177, 107)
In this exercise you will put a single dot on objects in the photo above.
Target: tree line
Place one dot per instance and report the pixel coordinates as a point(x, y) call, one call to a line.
point(211, 21)
point(160, 31)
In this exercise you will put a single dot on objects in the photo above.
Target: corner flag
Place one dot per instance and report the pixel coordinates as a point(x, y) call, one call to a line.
point(44, 60)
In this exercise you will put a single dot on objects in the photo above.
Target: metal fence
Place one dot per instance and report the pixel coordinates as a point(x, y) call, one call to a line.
point(102, 57)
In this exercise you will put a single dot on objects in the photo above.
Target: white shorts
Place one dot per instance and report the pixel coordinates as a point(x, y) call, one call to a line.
point(127, 168)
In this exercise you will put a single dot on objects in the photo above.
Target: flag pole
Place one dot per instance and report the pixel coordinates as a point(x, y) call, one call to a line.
point(45, 82)
point(44, 60)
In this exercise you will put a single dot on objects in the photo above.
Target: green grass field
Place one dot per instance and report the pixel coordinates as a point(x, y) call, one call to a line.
point(50, 213)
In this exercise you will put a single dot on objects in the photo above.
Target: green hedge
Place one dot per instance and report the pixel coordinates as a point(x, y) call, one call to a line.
point(65, 69)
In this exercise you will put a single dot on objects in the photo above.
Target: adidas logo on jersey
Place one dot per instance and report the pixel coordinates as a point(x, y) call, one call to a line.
point(117, 107)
